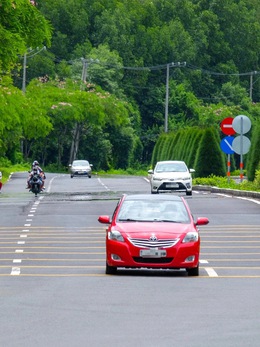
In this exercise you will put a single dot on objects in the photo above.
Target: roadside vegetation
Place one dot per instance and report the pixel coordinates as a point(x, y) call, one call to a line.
point(98, 90)
point(223, 182)
point(212, 181)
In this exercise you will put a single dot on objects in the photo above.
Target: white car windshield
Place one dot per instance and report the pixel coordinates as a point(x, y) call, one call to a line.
point(171, 167)
point(143, 211)
point(80, 163)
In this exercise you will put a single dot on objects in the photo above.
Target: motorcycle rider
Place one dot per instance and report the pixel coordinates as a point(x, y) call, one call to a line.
point(36, 169)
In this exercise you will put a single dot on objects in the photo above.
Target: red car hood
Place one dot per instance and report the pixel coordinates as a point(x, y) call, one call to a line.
point(161, 229)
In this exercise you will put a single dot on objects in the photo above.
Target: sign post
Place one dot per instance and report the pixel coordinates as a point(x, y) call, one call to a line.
point(226, 143)
point(240, 144)
point(241, 124)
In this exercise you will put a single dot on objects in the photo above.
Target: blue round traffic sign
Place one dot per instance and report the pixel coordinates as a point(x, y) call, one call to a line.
point(226, 144)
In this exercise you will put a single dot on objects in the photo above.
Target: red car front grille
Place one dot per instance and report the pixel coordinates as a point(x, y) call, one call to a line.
point(147, 243)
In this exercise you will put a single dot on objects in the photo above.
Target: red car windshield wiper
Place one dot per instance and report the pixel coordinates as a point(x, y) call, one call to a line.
point(128, 220)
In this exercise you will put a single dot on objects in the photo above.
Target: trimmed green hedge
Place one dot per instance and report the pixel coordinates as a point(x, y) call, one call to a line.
point(253, 159)
point(199, 148)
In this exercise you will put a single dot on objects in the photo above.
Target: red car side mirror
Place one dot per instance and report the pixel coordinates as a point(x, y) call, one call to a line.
point(104, 219)
point(202, 221)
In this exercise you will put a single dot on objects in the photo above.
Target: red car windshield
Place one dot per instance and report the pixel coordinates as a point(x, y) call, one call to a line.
point(163, 210)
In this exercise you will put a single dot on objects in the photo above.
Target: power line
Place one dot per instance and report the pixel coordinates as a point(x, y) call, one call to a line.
point(162, 66)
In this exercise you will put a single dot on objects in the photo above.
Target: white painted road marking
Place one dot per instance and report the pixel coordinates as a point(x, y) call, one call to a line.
point(211, 272)
point(203, 261)
point(15, 271)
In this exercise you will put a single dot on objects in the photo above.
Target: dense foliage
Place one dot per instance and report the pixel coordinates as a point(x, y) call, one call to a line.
point(99, 90)
point(198, 148)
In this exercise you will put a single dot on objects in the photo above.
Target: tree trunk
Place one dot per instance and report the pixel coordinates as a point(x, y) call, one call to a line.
point(75, 143)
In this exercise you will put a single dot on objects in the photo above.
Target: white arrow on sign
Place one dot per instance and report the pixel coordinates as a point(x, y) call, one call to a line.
point(228, 144)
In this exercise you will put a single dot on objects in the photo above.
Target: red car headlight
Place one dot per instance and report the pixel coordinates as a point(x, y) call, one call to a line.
point(192, 236)
point(115, 235)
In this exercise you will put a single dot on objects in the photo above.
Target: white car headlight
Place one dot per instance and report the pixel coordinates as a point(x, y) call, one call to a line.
point(192, 236)
point(115, 235)
point(156, 178)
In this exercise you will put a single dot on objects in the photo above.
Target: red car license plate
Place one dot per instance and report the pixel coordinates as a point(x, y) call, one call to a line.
point(155, 253)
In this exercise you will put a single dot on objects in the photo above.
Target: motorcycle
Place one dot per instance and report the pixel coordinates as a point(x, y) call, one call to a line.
point(35, 184)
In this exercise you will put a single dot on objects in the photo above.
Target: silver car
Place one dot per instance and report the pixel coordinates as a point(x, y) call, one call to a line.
point(80, 168)
point(171, 175)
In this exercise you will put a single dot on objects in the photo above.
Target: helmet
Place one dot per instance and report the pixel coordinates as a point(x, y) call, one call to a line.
point(35, 163)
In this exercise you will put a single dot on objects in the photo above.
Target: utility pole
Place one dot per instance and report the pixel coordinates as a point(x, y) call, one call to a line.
point(85, 64)
point(166, 99)
point(251, 84)
point(77, 126)
point(31, 54)
point(24, 72)
point(84, 70)
point(167, 91)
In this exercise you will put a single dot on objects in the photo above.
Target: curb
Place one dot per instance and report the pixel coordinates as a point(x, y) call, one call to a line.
point(233, 192)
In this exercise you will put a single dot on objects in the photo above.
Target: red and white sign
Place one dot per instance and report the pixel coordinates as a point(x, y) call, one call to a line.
point(226, 126)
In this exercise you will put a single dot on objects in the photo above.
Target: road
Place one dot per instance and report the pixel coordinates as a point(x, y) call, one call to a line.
point(54, 291)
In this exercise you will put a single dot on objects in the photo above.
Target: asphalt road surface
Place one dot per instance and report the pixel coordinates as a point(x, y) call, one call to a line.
point(54, 291)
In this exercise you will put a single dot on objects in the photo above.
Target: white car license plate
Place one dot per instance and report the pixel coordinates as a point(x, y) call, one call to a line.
point(172, 185)
point(155, 253)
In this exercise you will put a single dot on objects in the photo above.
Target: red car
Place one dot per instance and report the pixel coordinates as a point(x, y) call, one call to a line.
point(152, 231)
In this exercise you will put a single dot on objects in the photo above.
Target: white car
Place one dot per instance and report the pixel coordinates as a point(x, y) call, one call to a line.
point(171, 175)
point(80, 168)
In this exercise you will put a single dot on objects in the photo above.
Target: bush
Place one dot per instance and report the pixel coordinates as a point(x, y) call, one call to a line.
point(222, 182)
point(209, 158)
point(257, 179)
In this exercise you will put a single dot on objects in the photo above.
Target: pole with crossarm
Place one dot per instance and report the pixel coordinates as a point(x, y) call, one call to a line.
point(30, 54)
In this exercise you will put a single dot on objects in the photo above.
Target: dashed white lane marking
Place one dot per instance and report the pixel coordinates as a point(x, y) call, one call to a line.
point(15, 271)
point(99, 180)
point(203, 261)
point(50, 183)
point(211, 272)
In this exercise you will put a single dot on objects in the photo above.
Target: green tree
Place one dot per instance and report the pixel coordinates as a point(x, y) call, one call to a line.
point(21, 26)
point(209, 158)
point(11, 104)
point(71, 23)
point(253, 160)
